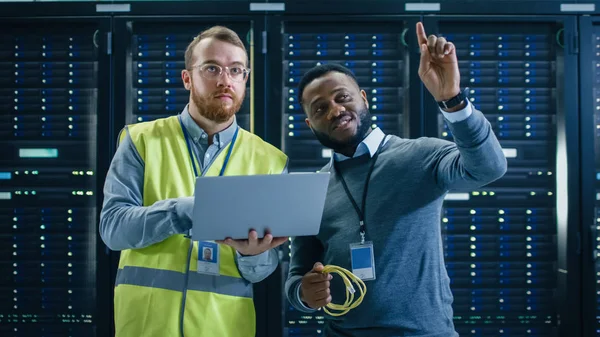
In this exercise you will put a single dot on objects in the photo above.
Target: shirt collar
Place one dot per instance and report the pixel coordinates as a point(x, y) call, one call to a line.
point(199, 135)
point(368, 145)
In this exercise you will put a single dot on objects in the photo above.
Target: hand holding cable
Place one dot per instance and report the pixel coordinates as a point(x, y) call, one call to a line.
point(315, 292)
point(314, 289)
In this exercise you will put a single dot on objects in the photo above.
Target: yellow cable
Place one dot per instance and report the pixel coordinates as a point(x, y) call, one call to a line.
point(346, 276)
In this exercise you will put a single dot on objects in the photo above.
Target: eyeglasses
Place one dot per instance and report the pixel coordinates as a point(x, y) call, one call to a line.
point(214, 71)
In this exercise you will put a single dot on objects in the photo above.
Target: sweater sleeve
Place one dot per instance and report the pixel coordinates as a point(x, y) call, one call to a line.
point(473, 160)
point(124, 222)
point(305, 252)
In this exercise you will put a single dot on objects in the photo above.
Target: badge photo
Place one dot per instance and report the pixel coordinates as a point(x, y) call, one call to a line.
point(208, 258)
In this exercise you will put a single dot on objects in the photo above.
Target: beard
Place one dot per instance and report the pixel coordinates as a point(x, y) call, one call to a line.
point(362, 130)
point(214, 109)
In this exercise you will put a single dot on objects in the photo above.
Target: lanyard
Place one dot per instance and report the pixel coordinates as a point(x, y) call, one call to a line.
point(361, 213)
point(191, 153)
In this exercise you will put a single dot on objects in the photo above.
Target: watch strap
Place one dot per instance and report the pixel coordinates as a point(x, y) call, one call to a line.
point(454, 101)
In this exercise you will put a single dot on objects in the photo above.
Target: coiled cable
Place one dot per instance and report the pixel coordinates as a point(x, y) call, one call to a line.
point(348, 279)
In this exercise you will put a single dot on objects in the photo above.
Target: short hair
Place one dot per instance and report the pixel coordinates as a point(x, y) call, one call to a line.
point(320, 71)
point(220, 33)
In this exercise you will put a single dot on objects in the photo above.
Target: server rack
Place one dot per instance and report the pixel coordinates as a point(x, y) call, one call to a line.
point(511, 246)
point(512, 280)
point(378, 52)
point(590, 171)
point(54, 106)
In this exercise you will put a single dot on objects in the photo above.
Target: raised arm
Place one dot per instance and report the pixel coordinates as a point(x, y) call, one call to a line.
point(477, 158)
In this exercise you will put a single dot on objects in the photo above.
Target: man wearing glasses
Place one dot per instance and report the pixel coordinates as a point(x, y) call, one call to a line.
point(163, 287)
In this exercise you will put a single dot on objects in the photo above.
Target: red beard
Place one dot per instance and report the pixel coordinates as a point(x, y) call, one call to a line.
point(214, 109)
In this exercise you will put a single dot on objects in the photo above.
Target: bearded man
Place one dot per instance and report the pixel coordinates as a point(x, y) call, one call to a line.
point(162, 288)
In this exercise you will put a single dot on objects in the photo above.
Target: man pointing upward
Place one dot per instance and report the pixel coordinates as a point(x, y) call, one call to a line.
point(382, 214)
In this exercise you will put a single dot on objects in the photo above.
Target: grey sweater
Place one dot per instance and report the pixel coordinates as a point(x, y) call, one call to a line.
point(411, 294)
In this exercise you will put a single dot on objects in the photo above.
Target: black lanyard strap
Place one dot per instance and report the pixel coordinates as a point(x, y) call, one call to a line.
point(361, 212)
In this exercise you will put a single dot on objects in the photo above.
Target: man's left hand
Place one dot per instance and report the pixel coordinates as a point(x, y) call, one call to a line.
point(438, 68)
point(254, 245)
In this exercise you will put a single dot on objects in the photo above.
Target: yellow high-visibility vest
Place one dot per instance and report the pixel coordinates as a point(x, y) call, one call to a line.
point(158, 284)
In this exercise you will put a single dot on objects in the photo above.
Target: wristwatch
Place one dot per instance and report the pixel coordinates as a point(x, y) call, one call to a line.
point(454, 101)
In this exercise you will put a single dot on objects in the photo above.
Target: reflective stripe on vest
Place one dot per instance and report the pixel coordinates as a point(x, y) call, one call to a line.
point(173, 280)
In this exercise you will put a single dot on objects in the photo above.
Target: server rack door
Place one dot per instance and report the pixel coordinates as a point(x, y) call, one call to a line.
point(53, 103)
point(590, 171)
point(151, 56)
point(506, 243)
point(377, 52)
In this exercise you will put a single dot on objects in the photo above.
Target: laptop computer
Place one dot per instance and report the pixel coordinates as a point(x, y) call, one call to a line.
point(283, 204)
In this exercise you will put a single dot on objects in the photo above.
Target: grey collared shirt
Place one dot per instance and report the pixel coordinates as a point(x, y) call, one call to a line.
point(126, 224)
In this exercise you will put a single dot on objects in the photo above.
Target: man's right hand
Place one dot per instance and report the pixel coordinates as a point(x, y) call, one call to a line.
point(314, 289)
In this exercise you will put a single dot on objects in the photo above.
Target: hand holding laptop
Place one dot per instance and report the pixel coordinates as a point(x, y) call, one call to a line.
point(254, 245)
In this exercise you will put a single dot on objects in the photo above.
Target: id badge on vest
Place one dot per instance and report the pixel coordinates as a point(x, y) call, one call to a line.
point(208, 258)
point(363, 260)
